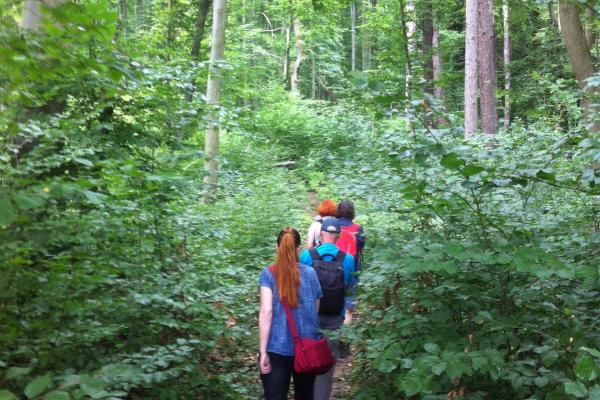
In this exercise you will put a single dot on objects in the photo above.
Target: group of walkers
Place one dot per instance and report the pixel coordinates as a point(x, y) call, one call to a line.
point(304, 293)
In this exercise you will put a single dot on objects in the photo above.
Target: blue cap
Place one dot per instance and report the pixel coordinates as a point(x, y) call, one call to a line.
point(331, 225)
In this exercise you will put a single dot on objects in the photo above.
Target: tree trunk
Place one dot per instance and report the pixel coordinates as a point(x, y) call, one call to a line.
point(438, 92)
point(579, 54)
point(122, 17)
point(552, 15)
point(506, 54)
point(295, 88)
point(213, 96)
point(470, 68)
point(313, 74)
point(170, 23)
point(428, 54)
point(590, 33)
point(353, 33)
point(408, 28)
point(486, 43)
point(203, 7)
point(286, 57)
point(33, 14)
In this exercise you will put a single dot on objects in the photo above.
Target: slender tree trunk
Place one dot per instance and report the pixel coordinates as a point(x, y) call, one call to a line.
point(411, 29)
point(122, 19)
point(407, 32)
point(353, 33)
point(579, 55)
point(471, 68)
point(213, 96)
point(552, 15)
point(590, 32)
point(487, 68)
point(427, 27)
point(364, 54)
point(438, 92)
point(506, 53)
point(313, 92)
point(295, 88)
point(33, 16)
point(286, 57)
point(170, 23)
point(199, 26)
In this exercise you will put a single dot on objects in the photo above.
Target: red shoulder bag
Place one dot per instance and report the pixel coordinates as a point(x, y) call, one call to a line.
point(311, 356)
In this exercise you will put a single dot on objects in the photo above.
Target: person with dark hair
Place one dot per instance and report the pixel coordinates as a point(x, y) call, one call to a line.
point(345, 214)
point(286, 281)
point(327, 208)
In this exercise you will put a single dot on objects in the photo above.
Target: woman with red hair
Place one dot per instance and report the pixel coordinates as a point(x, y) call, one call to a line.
point(327, 208)
point(286, 281)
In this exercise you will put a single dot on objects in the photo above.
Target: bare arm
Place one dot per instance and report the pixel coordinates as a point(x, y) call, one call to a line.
point(265, 317)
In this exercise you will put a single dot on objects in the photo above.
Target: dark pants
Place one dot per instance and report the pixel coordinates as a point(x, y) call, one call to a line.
point(277, 382)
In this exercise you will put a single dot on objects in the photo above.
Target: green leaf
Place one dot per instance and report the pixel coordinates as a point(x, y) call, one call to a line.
point(37, 386)
point(7, 212)
point(594, 393)
point(451, 161)
point(57, 395)
point(6, 395)
point(470, 170)
point(411, 384)
point(593, 352)
point(93, 387)
point(94, 197)
point(576, 389)
point(586, 369)
point(83, 161)
point(432, 348)
point(546, 175)
point(27, 202)
point(439, 369)
point(15, 372)
point(541, 381)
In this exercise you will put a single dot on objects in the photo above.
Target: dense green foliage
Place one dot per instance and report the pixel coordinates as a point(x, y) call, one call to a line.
point(482, 268)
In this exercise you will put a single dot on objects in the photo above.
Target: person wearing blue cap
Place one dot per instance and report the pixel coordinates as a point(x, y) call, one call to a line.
point(328, 260)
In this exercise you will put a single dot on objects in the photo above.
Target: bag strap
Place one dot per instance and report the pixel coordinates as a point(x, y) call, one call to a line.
point(288, 314)
point(314, 254)
point(340, 256)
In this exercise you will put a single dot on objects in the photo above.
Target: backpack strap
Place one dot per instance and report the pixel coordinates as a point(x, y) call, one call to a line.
point(288, 313)
point(314, 254)
point(340, 256)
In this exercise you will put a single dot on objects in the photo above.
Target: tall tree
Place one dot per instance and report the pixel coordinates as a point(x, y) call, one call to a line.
point(286, 55)
point(579, 53)
point(506, 58)
point(295, 87)
point(470, 96)
point(408, 30)
point(213, 96)
point(203, 7)
point(33, 12)
point(438, 91)
point(486, 56)
point(590, 31)
point(353, 33)
point(427, 27)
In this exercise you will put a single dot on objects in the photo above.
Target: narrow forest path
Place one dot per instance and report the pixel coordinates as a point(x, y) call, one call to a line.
point(343, 367)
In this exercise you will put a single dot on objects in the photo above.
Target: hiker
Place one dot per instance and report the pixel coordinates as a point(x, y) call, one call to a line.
point(345, 214)
point(327, 208)
point(298, 285)
point(327, 259)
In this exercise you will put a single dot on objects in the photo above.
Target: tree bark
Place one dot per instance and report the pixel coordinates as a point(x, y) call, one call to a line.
point(353, 34)
point(203, 7)
point(33, 14)
point(506, 54)
point(590, 32)
point(295, 88)
point(438, 92)
point(470, 68)
point(552, 15)
point(486, 43)
point(579, 55)
point(408, 28)
point(427, 47)
point(213, 96)
point(286, 57)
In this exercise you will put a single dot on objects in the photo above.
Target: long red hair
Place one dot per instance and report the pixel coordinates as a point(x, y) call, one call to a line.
point(286, 271)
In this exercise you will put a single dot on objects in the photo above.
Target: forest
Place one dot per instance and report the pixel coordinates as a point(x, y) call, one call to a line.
point(150, 151)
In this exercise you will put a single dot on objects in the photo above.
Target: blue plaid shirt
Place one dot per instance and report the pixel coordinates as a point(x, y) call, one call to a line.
point(305, 315)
